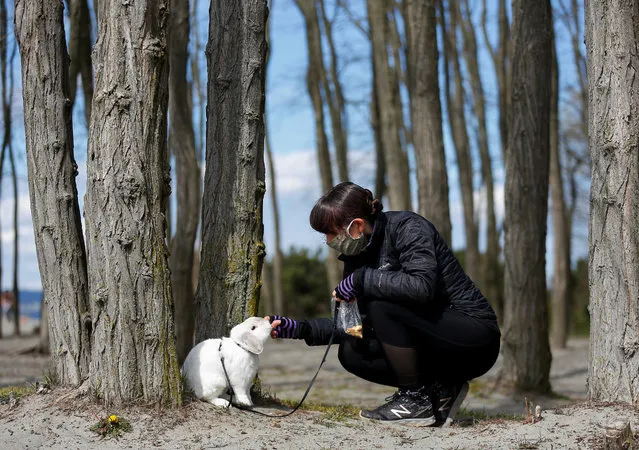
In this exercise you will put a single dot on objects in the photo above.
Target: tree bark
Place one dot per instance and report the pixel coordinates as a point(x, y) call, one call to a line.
point(232, 230)
point(80, 53)
point(490, 266)
point(426, 114)
point(525, 347)
point(396, 161)
point(457, 120)
point(560, 297)
point(335, 99)
point(133, 354)
point(187, 169)
point(313, 83)
point(613, 125)
point(51, 173)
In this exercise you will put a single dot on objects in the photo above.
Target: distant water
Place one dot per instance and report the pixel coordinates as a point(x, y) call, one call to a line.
point(29, 304)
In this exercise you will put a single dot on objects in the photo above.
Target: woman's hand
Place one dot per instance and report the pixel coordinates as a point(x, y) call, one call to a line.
point(337, 299)
point(345, 290)
point(283, 327)
point(274, 325)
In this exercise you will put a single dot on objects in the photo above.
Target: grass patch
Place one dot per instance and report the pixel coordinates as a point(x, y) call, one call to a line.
point(18, 392)
point(331, 413)
point(112, 426)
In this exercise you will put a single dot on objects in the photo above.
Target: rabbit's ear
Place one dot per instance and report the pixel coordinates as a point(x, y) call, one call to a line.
point(250, 342)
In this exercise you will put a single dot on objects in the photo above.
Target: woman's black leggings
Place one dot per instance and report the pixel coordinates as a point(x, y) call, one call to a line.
point(449, 347)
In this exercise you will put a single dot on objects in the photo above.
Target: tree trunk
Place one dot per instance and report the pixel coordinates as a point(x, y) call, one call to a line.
point(396, 160)
point(335, 100)
point(457, 121)
point(15, 306)
point(187, 169)
point(133, 353)
point(501, 62)
point(613, 125)
point(525, 338)
point(398, 77)
point(489, 278)
point(51, 173)
point(6, 113)
point(278, 288)
point(560, 300)
point(313, 83)
point(277, 299)
point(380, 166)
point(426, 114)
point(80, 53)
point(232, 230)
point(576, 39)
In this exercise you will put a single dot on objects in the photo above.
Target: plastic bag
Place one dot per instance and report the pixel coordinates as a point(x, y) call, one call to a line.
point(348, 318)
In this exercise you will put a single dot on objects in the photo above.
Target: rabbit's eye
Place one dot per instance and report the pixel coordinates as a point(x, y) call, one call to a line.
point(253, 327)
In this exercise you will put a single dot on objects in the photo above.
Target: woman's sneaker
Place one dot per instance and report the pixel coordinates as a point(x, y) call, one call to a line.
point(447, 400)
point(404, 405)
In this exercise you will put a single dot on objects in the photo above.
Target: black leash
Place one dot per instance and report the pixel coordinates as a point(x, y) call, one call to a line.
point(308, 389)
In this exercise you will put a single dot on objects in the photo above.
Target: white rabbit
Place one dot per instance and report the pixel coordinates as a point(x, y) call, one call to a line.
point(203, 367)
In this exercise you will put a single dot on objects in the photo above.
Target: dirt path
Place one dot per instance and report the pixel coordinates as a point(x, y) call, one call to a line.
point(286, 367)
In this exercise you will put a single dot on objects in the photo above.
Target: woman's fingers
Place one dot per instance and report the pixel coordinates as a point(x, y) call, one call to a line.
point(274, 325)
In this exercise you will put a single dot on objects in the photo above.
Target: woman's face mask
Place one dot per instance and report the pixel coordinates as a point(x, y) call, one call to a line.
point(346, 244)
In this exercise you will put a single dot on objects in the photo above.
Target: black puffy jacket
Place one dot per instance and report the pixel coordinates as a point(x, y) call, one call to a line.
point(407, 261)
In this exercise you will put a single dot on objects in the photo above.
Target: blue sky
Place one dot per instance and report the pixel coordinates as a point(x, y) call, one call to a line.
point(290, 122)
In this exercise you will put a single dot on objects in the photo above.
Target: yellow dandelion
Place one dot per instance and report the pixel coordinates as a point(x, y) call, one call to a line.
point(113, 419)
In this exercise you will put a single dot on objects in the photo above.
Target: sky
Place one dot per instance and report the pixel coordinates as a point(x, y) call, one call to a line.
point(291, 128)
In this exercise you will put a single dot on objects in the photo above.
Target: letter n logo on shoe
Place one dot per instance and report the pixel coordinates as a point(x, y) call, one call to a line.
point(399, 412)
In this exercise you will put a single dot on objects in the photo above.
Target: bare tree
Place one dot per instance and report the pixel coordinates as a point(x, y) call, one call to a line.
point(397, 50)
point(182, 143)
point(80, 53)
point(380, 165)
point(613, 124)
point(52, 189)
point(334, 95)
point(560, 298)
point(313, 82)
point(525, 347)
point(6, 116)
point(277, 299)
point(232, 230)
point(396, 161)
point(457, 120)
point(501, 57)
point(426, 114)
point(15, 306)
point(133, 349)
point(490, 267)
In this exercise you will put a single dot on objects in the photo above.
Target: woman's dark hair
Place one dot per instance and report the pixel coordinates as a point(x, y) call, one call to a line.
point(343, 203)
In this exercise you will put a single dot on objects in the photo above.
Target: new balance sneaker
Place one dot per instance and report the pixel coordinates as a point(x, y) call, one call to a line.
point(404, 405)
point(446, 401)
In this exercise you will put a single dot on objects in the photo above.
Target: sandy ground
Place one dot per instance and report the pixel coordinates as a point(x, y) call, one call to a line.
point(53, 421)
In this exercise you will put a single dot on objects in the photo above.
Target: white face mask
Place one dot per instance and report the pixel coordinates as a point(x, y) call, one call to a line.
point(347, 244)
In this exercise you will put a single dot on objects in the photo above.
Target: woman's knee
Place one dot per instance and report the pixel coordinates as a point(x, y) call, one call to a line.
point(348, 357)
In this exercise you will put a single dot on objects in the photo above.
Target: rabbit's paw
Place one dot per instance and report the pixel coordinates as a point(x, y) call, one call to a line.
point(244, 400)
point(220, 402)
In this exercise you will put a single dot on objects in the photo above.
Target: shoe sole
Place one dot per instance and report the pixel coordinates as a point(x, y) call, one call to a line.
point(427, 421)
point(463, 391)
